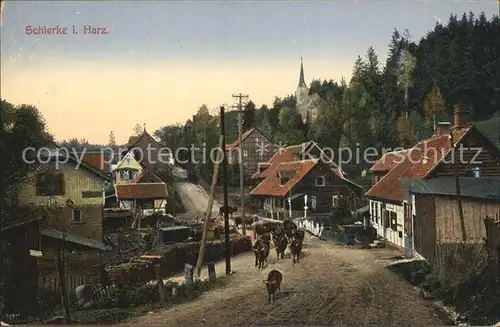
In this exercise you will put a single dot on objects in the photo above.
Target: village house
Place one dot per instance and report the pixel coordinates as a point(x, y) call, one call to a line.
point(71, 198)
point(462, 144)
point(289, 182)
point(436, 217)
point(147, 151)
point(255, 147)
point(142, 198)
point(138, 193)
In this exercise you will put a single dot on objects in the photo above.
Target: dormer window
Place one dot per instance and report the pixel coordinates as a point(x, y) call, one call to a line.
point(285, 176)
point(284, 180)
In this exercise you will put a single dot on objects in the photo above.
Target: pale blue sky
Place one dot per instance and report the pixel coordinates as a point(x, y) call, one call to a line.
point(194, 52)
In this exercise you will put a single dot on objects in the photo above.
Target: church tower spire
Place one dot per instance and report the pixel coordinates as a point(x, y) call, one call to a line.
point(302, 82)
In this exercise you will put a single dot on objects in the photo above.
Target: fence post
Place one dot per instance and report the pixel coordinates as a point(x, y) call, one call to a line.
point(188, 274)
point(159, 279)
point(211, 271)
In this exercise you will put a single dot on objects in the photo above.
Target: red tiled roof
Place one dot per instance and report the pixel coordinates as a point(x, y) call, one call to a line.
point(388, 161)
point(419, 162)
point(236, 143)
point(141, 191)
point(282, 155)
point(271, 185)
point(99, 161)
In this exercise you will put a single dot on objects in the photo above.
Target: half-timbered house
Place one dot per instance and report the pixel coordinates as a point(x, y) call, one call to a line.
point(255, 147)
point(459, 150)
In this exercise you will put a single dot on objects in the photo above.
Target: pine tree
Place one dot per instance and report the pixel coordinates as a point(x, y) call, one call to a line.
point(112, 140)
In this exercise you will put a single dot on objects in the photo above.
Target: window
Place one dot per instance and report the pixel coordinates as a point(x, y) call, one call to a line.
point(476, 172)
point(50, 183)
point(245, 153)
point(284, 180)
point(393, 220)
point(257, 140)
point(313, 202)
point(148, 205)
point(320, 181)
point(335, 200)
point(76, 216)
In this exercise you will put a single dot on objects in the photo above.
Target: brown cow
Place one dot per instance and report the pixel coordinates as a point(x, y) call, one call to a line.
point(281, 245)
point(296, 249)
point(261, 251)
point(299, 235)
point(273, 283)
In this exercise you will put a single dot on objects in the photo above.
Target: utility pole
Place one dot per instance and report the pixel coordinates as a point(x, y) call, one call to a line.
point(208, 213)
point(240, 98)
point(457, 185)
point(224, 181)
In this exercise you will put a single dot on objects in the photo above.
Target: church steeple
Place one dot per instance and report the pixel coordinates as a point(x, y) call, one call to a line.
point(302, 82)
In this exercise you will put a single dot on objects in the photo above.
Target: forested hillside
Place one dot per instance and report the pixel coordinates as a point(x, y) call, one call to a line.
point(387, 104)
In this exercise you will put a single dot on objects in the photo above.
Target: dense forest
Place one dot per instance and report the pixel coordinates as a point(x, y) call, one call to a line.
point(387, 104)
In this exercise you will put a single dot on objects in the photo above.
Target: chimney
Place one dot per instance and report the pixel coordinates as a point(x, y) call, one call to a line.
point(443, 128)
point(461, 115)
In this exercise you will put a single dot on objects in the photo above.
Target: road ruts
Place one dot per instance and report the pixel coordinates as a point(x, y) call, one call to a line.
point(332, 285)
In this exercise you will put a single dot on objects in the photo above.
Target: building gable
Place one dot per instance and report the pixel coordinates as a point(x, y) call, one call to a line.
point(74, 182)
point(474, 150)
point(129, 162)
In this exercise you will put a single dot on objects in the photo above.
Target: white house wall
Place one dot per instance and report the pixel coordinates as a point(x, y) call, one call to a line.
point(387, 233)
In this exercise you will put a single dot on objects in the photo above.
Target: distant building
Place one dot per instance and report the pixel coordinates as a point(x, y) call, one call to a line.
point(306, 104)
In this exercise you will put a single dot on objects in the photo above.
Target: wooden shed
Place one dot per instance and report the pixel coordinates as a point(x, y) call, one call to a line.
point(436, 214)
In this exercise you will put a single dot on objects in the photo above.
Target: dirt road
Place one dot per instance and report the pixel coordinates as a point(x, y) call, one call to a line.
point(332, 285)
point(195, 200)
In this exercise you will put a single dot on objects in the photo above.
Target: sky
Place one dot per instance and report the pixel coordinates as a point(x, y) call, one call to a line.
point(160, 61)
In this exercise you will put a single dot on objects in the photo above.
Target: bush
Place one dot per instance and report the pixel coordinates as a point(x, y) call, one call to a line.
point(143, 299)
point(101, 316)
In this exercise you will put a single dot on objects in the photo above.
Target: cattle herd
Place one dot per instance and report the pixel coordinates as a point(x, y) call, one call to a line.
point(282, 236)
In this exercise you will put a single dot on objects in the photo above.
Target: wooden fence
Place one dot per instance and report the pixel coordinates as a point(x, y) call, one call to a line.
point(458, 261)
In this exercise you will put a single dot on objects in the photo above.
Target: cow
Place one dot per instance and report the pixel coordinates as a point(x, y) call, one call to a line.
point(277, 234)
point(296, 249)
point(230, 210)
point(273, 284)
point(281, 244)
point(299, 235)
point(290, 228)
point(261, 252)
